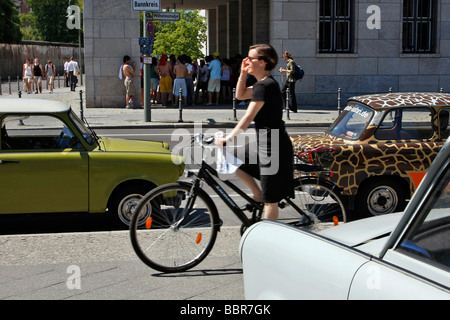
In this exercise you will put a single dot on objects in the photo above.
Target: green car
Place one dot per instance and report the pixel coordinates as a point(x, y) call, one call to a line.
point(51, 162)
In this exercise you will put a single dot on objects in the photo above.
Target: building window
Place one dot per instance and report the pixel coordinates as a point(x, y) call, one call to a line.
point(336, 26)
point(419, 25)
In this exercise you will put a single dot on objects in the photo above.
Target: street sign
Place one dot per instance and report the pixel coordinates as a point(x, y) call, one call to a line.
point(147, 51)
point(146, 41)
point(146, 5)
point(150, 29)
point(147, 60)
point(166, 16)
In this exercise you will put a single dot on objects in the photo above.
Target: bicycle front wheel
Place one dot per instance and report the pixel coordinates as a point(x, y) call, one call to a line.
point(316, 198)
point(181, 228)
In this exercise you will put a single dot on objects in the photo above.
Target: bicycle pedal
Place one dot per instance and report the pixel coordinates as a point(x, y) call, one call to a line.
point(282, 205)
point(302, 222)
point(247, 207)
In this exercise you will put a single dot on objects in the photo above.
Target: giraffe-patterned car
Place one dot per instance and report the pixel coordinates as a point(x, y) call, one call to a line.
point(380, 147)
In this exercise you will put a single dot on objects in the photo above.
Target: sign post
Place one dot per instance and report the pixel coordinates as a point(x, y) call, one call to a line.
point(147, 49)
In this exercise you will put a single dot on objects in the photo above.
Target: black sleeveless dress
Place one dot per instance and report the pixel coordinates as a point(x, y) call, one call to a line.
point(275, 155)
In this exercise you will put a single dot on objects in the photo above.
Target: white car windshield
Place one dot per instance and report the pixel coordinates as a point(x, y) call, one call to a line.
point(351, 122)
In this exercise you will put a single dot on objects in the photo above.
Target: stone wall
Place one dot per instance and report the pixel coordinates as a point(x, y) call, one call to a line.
point(377, 63)
point(13, 56)
point(111, 31)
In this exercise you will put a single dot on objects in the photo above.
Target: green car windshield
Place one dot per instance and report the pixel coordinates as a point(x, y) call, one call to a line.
point(352, 122)
point(87, 134)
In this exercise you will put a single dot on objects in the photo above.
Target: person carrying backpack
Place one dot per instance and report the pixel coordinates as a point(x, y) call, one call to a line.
point(293, 73)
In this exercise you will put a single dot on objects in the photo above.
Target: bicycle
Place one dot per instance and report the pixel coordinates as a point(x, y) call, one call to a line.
point(184, 221)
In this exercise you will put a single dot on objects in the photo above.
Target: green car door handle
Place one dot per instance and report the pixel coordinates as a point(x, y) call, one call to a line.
point(8, 161)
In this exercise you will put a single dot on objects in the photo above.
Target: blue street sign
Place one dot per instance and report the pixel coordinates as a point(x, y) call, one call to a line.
point(146, 41)
point(147, 50)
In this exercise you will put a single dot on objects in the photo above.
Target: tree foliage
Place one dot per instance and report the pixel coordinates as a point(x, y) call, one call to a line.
point(9, 23)
point(49, 21)
point(186, 36)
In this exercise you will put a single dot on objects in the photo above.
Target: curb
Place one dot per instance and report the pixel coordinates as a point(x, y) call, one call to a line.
point(178, 125)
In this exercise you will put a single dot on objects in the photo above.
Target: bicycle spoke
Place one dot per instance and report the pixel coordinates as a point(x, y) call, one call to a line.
point(317, 200)
point(183, 229)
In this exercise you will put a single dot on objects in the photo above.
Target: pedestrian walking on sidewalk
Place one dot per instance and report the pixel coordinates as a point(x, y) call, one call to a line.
point(290, 82)
point(27, 75)
point(74, 71)
point(154, 81)
point(215, 75)
point(50, 73)
point(180, 71)
point(38, 74)
point(202, 81)
point(127, 72)
point(66, 73)
point(165, 81)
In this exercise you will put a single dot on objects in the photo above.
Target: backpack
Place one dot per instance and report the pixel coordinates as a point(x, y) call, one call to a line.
point(298, 72)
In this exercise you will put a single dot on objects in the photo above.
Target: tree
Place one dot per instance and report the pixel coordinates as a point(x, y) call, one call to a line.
point(186, 36)
point(9, 23)
point(49, 19)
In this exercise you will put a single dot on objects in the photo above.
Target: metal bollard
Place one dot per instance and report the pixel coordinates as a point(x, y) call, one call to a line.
point(287, 104)
point(0, 86)
point(18, 84)
point(180, 107)
point(339, 101)
point(81, 106)
point(59, 85)
point(9, 84)
point(234, 105)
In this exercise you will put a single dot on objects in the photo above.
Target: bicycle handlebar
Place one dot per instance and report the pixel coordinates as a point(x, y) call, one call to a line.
point(202, 140)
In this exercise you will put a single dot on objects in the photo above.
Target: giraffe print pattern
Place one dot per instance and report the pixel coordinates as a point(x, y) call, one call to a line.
point(354, 161)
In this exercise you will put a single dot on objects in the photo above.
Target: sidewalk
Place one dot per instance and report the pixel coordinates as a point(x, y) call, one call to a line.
point(214, 116)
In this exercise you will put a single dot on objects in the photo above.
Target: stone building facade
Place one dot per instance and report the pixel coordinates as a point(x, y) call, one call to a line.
point(359, 46)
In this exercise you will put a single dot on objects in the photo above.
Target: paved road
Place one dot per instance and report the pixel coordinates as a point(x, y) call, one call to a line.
point(103, 266)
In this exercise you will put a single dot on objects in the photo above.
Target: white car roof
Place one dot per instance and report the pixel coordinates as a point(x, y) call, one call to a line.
point(32, 106)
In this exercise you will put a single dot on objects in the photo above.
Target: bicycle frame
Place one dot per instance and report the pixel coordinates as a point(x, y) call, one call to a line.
point(209, 175)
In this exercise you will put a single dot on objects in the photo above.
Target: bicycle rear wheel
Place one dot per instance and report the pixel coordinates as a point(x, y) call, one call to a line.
point(181, 228)
point(317, 198)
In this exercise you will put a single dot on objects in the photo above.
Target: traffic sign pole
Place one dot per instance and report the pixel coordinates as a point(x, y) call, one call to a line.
point(147, 80)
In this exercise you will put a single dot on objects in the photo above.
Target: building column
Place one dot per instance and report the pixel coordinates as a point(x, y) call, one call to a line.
point(233, 28)
point(245, 25)
point(212, 31)
point(261, 21)
point(111, 31)
point(222, 43)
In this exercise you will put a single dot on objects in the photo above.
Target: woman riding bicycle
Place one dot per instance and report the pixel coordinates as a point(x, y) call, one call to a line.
point(274, 144)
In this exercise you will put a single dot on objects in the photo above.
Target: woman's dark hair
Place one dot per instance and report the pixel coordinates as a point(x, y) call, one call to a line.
point(267, 53)
point(287, 54)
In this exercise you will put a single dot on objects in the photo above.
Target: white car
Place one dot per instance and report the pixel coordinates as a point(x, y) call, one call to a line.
point(395, 256)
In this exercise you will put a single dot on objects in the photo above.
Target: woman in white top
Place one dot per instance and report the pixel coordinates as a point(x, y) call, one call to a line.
point(27, 75)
